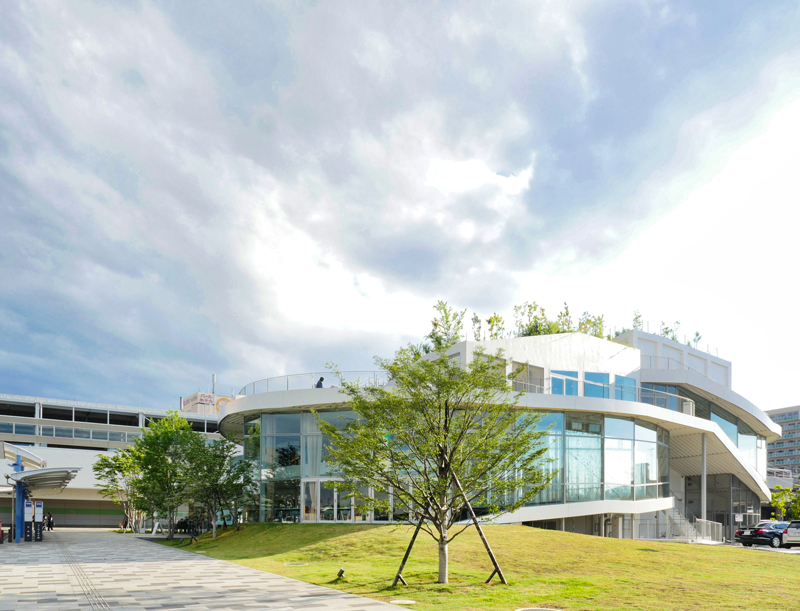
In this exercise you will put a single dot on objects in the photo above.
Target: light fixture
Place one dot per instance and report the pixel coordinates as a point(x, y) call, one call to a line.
point(340, 574)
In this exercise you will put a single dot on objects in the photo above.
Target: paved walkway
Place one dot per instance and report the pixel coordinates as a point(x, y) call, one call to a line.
point(93, 570)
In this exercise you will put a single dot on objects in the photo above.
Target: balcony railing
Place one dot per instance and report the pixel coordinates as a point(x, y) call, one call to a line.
point(553, 385)
point(562, 385)
point(312, 380)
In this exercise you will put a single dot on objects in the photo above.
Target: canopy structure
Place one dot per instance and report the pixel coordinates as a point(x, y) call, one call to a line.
point(45, 479)
point(29, 459)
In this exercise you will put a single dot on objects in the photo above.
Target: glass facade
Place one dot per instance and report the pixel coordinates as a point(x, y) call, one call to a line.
point(593, 458)
point(743, 437)
point(726, 496)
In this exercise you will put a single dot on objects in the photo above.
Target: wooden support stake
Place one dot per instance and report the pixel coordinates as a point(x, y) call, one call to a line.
point(399, 575)
point(480, 532)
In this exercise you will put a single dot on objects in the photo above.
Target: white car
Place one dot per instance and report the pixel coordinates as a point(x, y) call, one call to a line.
point(791, 534)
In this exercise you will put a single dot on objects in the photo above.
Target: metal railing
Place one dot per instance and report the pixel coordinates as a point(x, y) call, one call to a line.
point(782, 473)
point(555, 384)
point(622, 392)
point(318, 379)
point(665, 362)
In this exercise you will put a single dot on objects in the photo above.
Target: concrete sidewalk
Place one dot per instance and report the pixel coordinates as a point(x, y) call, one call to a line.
point(94, 569)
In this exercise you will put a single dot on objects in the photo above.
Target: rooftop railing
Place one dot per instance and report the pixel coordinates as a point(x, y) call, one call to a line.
point(319, 379)
point(553, 385)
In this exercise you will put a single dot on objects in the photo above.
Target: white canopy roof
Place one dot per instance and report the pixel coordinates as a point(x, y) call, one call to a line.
point(45, 479)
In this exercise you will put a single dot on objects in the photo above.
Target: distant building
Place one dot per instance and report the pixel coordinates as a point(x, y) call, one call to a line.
point(74, 434)
point(205, 403)
point(783, 455)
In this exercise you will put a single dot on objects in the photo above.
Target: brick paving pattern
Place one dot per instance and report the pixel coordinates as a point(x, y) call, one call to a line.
point(95, 570)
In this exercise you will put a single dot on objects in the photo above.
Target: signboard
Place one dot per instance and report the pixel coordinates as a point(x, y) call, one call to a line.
point(38, 511)
point(28, 511)
point(739, 517)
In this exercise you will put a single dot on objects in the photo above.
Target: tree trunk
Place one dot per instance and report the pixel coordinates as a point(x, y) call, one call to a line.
point(443, 551)
point(214, 525)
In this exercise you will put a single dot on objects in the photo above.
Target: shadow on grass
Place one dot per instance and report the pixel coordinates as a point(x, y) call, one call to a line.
point(265, 540)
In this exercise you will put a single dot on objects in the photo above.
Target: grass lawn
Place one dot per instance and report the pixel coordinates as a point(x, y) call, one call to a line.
point(544, 568)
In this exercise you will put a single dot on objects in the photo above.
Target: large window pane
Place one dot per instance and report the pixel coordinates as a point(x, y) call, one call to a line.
point(646, 469)
point(584, 460)
point(548, 419)
point(584, 424)
point(315, 452)
point(624, 388)
point(327, 508)
point(582, 493)
point(618, 460)
point(25, 429)
point(381, 514)
point(310, 501)
point(281, 456)
point(621, 428)
point(646, 431)
point(726, 422)
point(281, 500)
point(595, 385)
point(360, 510)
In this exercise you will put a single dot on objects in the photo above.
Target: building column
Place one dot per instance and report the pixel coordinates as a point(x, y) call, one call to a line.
point(703, 483)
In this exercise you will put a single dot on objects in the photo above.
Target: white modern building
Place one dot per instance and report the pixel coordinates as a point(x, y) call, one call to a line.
point(648, 439)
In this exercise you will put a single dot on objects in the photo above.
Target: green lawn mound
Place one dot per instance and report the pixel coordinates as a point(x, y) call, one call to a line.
point(544, 568)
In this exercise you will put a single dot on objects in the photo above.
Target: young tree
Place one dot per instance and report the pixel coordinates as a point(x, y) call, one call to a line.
point(161, 454)
point(440, 428)
point(219, 478)
point(117, 474)
point(446, 328)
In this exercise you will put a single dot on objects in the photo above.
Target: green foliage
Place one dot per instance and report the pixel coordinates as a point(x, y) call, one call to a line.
point(161, 454)
point(786, 502)
point(219, 479)
point(496, 326)
point(440, 421)
point(447, 327)
point(117, 474)
point(670, 332)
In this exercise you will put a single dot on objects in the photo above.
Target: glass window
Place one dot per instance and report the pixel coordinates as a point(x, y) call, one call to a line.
point(253, 426)
point(63, 432)
point(118, 419)
point(102, 435)
point(7, 427)
point(116, 436)
point(646, 468)
point(57, 413)
point(287, 423)
point(81, 434)
point(25, 429)
point(584, 424)
point(569, 383)
point(327, 507)
point(646, 431)
point(584, 460)
point(555, 466)
point(360, 510)
point(315, 451)
point(212, 427)
point(726, 422)
point(554, 419)
point(400, 511)
point(663, 464)
point(281, 500)
point(618, 462)
point(133, 437)
point(595, 385)
point(310, 501)
point(12, 409)
point(622, 428)
point(624, 388)
point(556, 386)
point(85, 415)
point(381, 513)
point(280, 456)
point(47, 431)
point(198, 426)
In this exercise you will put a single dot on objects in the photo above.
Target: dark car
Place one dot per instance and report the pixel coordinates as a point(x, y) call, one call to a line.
point(763, 533)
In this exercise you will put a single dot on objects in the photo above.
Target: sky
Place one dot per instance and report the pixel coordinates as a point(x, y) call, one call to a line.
point(259, 188)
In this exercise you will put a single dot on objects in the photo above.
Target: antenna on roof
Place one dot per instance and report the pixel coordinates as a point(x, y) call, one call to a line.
point(213, 383)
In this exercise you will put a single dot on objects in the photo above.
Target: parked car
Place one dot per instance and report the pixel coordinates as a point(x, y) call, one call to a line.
point(763, 533)
point(791, 534)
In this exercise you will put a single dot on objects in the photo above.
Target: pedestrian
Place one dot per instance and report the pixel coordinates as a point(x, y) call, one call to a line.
point(50, 521)
point(319, 382)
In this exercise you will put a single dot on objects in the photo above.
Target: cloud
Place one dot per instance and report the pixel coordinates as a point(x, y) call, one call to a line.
point(188, 189)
